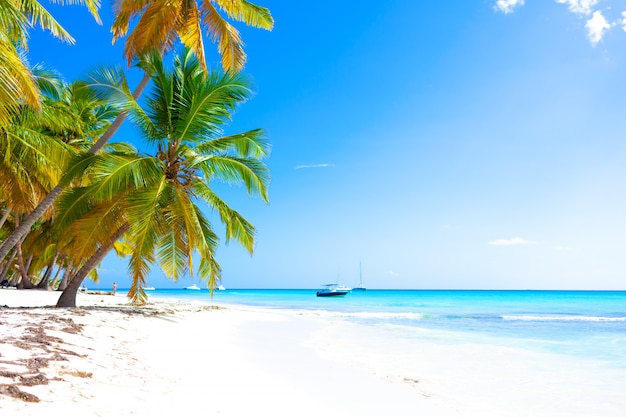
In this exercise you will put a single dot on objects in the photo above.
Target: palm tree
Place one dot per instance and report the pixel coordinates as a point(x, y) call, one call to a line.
point(17, 85)
point(38, 145)
point(33, 159)
point(160, 24)
point(158, 198)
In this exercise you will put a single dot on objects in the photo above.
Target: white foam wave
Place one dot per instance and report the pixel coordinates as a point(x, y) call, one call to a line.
point(377, 315)
point(557, 317)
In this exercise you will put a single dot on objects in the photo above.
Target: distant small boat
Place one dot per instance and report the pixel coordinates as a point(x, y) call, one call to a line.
point(360, 287)
point(220, 288)
point(148, 288)
point(192, 287)
point(333, 290)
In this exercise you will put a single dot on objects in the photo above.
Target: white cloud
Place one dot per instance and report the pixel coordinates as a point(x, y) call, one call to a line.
point(507, 6)
point(392, 273)
point(579, 6)
point(623, 22)
point(596, 27)
point(313, 166)
point(511, 242)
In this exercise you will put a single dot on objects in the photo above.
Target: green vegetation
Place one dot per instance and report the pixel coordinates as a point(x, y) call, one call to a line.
point(69, 196)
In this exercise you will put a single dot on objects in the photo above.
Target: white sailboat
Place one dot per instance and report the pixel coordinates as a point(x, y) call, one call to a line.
point(360, 287)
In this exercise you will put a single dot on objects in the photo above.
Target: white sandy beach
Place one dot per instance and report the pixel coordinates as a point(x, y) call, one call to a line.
point(107, 359)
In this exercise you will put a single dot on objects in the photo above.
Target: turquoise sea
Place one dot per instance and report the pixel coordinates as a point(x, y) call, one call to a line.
point(580, 324)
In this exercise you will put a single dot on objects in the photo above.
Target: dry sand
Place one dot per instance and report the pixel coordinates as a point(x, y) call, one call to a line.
point(105, 358)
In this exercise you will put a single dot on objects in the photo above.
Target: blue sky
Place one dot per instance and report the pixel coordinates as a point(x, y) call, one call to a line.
point(444, 144)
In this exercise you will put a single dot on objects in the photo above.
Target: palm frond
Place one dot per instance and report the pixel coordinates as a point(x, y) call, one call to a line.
point(123, 173)
point(92, 5)
point(174, 249)
point(48, 81)
point(251, 144)
point(111, 175)
point(229, 43)
point(139, 267)
point(125, 11)
point(13, 22)
point(154, 29)
point(109, 83)
point(17, 85)
point(94, 227)
point(206, 104)
point(209, 269)
point(253, 173)
point(147, 225)
point(39, 16)
point(122, 248)
point(190, 32)
point(249, 13)
point(237, 227)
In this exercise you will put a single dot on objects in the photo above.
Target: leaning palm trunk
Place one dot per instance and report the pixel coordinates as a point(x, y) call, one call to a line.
point(44, 284)
point(25, 283)
point(7, 265)
point(66, 276)
point(49, 199)
point(68, 296)
point(55, 280)
point(5, 216)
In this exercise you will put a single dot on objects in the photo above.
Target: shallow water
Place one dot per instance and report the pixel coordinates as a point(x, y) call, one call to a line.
point(581, 324)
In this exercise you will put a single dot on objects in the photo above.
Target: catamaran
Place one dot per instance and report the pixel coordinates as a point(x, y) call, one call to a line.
point(333, 290)
point(192, 287)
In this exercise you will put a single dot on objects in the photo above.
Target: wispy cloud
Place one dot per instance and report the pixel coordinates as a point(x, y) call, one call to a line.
point(511, 242)
point(313, 166)
point(507, 6)
point(623, 21)
point(392, 273)
point(596, 28)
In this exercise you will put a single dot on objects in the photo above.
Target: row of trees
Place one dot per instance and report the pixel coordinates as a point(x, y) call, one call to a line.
point(69, 196)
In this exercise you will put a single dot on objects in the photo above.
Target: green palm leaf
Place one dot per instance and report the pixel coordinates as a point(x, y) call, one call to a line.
point(253, 144)
point(39, 16)
point(110, 84)
point(254, 174)
point(237, 227)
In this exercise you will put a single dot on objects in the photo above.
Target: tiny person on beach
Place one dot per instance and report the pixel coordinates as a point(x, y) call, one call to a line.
point(114, 288)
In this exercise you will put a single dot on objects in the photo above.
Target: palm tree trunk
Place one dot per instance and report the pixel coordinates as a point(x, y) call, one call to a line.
point(41, 208)
point(66, 276)
point(5, 216)
point(25, 283)
point(44, 284)
point(29, 220)
point(7, 266)
point(55, 279)
point(68, 296)
point(29, 263)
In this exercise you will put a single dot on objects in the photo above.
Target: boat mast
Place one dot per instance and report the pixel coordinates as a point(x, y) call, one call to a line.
point(360, 275)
